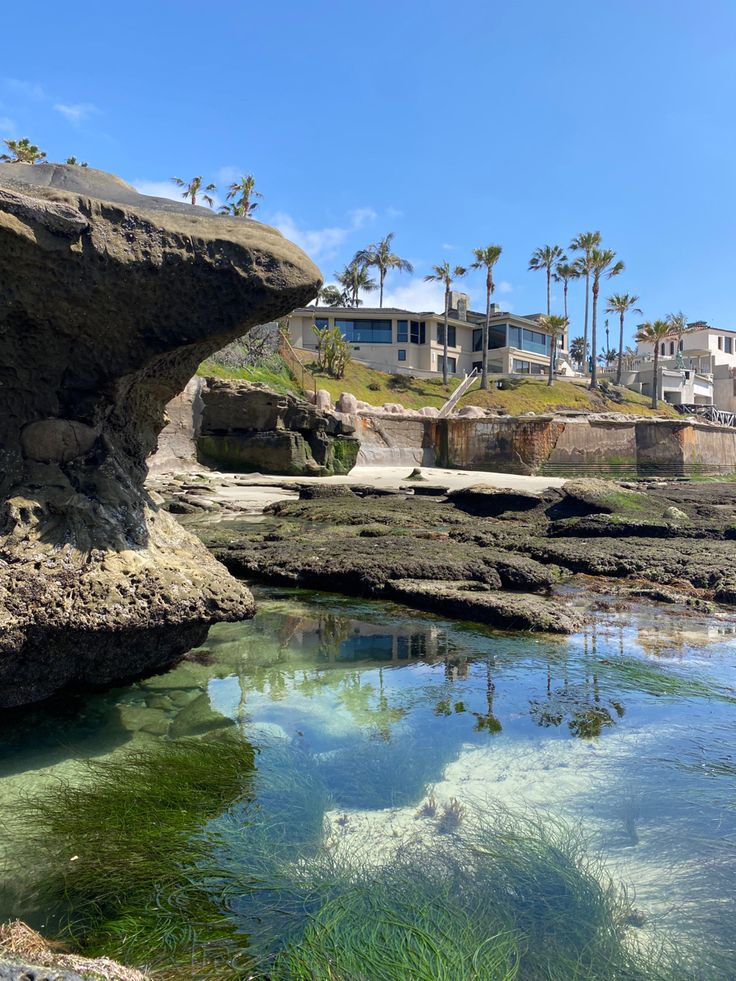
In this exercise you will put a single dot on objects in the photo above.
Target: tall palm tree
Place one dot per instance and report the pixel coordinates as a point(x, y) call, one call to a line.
point(486, 258)
point(621, 303)
point(585, 242)
point(547, 257)
point(602, 263)
point(445, 274)
point(555, 327)
point(353, 279)
point(654, 333)
point(381, 256)
point(23, 151)
point(242, 193)
point(564, 273)
point(678, 325)
point(193, 188)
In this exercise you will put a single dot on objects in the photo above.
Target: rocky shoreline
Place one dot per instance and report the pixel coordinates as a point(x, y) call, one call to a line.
point(503, 557)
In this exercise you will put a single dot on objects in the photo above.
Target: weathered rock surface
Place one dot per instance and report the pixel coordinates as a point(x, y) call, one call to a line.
point(109, 301)
point(512, 569)
point(247, 427)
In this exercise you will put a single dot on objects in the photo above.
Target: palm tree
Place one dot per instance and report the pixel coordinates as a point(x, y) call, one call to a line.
point(622, 303)
point(564, 273)
point(330, 296)
point(602, 263)
point(353, 279)
point(23, 151)
point(242, 192)
point(381, 256)
point(486, 258)
point(193, 188)
point(678, 325)
point(654, 333)
point(555, 327)
point(546, 258)
point(445, 274)
point(585, 242)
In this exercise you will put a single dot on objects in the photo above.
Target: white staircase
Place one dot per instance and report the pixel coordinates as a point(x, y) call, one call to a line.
point(461, 389)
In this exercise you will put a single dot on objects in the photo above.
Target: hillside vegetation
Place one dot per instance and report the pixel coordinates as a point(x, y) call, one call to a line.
point(518, 395)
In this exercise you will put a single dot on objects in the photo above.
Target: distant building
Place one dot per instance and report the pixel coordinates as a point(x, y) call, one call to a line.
point(412, 342)
point(698, 368)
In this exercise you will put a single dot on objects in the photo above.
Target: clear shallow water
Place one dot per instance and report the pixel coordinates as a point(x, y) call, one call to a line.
point(627, 731)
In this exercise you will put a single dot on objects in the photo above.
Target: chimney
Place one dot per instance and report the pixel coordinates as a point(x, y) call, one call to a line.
point(459, 302)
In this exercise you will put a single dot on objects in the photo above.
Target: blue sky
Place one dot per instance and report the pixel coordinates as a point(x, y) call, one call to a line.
point(454, 126)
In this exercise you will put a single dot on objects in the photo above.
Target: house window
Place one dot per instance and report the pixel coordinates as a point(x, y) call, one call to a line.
point(720, 343)
point(527, 367)
point(672, 348)
point(661, 348)
point(402, 355)
point(402, 331)
point(418, 332)
point(528, 340)
point(365, 331)
point(728, 345)
point(451, 335)
point(451, 364)
point(320, 322)
point(478, 339)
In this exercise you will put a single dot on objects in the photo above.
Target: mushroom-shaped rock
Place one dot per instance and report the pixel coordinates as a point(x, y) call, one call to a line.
point(109, 301)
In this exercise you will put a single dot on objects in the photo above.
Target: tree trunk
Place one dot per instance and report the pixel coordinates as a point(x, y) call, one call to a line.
point(550, 379)
point(655, 380)
point(486, 332)
point(619, 373)
point(567, 326)
point(585, 331)
point(381, 275)
point(549, 277)
point(447, 314)
point(594, 339)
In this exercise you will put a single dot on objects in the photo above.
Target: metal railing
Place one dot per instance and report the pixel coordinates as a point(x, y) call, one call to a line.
point(709, 412)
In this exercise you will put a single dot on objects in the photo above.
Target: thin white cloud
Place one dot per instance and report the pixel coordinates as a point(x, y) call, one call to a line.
point(29, 90)
point(504, 288)
point(447, 247)
point(322, 243)
point(394, 213)
point(78, 112)
point(414, 294)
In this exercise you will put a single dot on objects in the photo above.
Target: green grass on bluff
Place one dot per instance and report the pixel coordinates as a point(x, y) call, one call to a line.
point(518, 395)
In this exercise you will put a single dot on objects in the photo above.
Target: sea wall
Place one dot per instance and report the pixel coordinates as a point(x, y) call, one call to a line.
point(548, 444)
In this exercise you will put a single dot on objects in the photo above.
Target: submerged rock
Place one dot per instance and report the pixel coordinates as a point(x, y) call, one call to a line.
point(110, 300)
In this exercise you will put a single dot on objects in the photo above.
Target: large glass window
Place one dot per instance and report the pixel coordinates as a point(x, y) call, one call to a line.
point(528, 340)
point(418, 334)
point(320, 322)
point(451, 364)
point(527, 368)
point(496, 337)
point(366, 331)
point(402, 331)
point(451, 335)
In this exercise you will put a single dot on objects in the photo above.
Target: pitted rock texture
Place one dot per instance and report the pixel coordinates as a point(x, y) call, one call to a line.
point(246, 427)
point(109, 300)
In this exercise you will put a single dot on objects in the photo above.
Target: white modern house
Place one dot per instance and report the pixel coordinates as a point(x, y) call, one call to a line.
point(695, 368)
point(410, 342)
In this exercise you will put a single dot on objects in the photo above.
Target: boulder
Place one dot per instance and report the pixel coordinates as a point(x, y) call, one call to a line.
point(488, 502)
point(430, 411)
point(110, 300)
point(347, 403)
point(323, 400)
point(471, 412)
point(246, 427)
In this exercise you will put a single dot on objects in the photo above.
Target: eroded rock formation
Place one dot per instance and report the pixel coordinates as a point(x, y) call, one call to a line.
point(248, 427)
point(108, 302)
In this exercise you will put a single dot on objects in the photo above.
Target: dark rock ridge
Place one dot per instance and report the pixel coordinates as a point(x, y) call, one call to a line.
point(248, 427)
point(108, 302)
